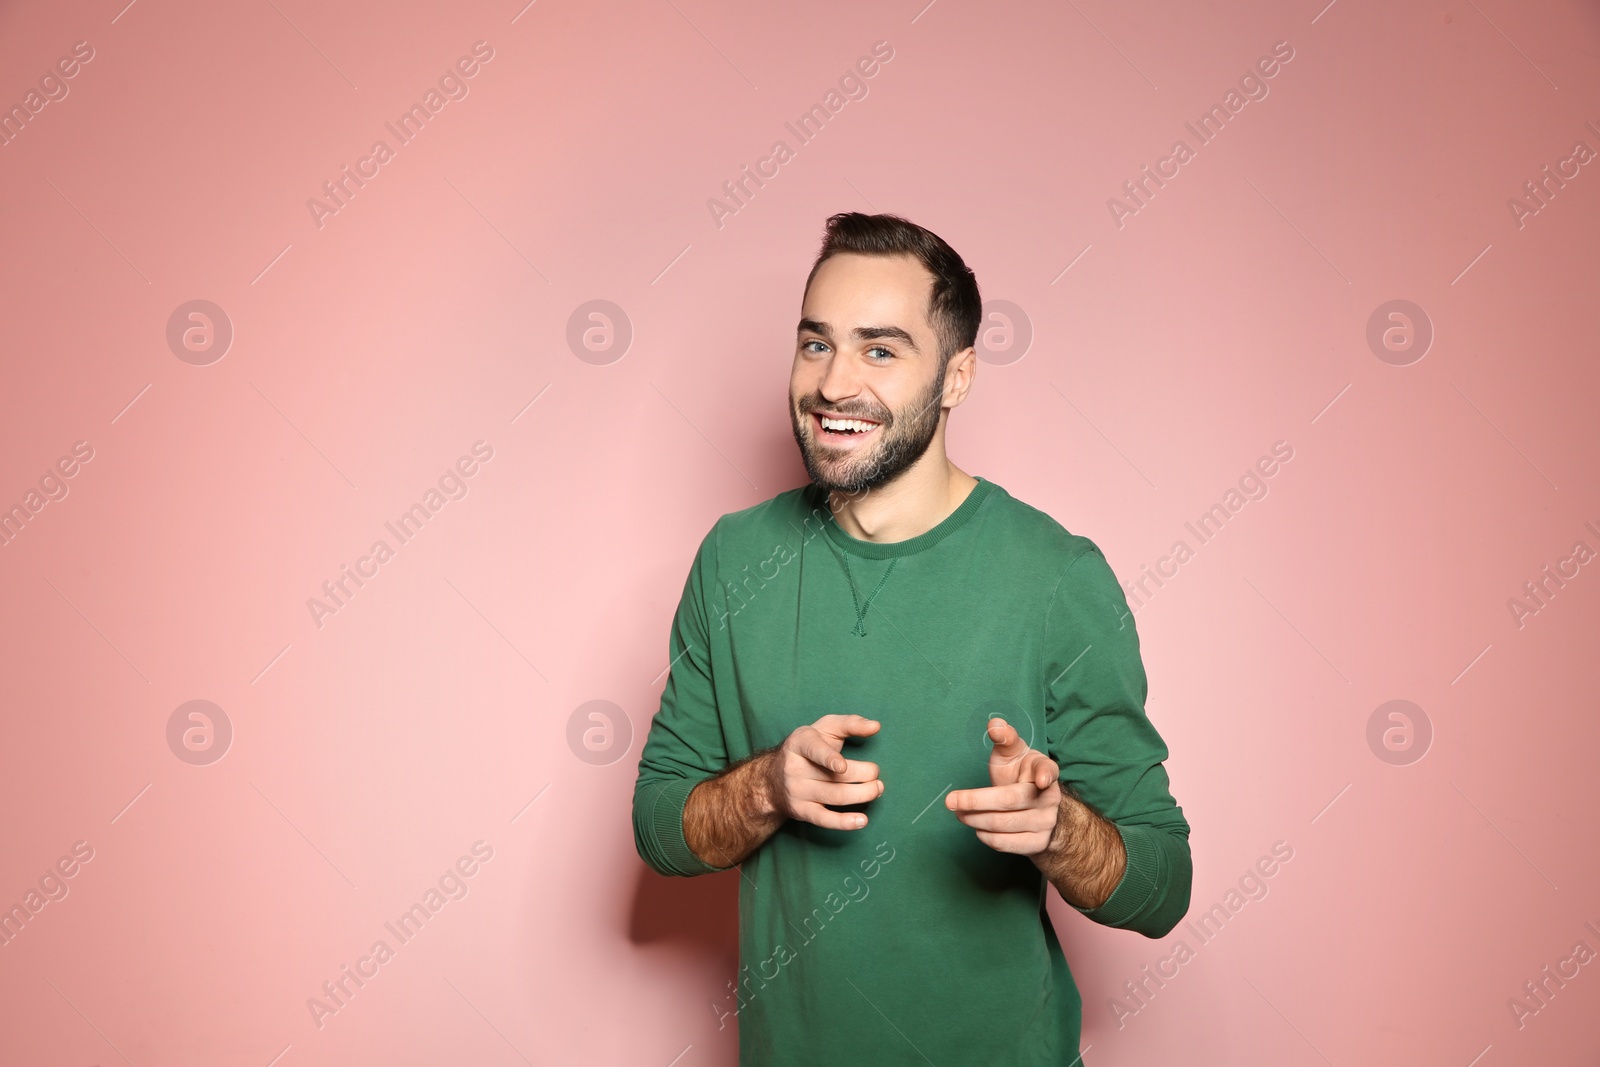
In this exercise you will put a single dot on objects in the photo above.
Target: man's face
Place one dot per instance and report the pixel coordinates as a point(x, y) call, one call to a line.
point(865, 351)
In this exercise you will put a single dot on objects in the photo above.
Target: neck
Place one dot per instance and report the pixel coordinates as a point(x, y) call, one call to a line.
point(922, 497)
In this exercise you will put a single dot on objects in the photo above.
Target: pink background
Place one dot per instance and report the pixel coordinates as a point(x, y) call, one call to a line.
point(369, 353)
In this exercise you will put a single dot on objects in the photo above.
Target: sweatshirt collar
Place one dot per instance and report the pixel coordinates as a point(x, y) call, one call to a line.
point(891, 549)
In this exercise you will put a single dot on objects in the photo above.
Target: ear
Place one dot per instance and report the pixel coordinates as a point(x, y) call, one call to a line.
point(959, 375)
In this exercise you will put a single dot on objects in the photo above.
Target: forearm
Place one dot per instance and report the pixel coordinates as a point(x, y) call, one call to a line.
point(729, 816)
point(1085, 859)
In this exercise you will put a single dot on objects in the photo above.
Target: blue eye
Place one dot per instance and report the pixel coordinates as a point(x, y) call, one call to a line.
point(886, 355)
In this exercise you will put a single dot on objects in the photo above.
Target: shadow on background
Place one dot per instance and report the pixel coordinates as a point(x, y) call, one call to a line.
point(701, 914)
point(699, 919)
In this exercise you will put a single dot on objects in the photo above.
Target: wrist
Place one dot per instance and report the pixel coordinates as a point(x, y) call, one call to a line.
point(763, 787)
point(1070, 816)
point(1061, 834)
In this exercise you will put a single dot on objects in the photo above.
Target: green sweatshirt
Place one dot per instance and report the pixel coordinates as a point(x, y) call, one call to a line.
point(909, 941)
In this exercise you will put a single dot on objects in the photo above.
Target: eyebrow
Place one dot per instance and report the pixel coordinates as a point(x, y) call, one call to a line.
point(861, 333)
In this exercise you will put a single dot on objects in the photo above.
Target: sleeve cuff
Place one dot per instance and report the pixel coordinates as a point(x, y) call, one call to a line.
point(1139, 878)
point(666, 827)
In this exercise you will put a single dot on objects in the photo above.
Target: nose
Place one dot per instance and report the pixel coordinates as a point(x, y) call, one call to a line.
point(840, 381)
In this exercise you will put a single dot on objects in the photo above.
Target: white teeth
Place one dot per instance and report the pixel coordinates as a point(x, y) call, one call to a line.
point(846, 424)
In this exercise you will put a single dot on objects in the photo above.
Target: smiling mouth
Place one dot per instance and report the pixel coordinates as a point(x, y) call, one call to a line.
point(843, 431)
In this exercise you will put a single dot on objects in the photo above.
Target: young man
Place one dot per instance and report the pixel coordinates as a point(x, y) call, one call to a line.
point(903, 701)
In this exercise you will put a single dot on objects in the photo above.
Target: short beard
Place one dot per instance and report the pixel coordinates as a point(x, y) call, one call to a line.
point(906, 438)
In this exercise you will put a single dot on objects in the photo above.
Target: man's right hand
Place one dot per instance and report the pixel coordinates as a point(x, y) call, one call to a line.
point(728, 816)
point(808, 772)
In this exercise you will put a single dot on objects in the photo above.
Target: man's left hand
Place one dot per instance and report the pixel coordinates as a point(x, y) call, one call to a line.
point(1017, 813)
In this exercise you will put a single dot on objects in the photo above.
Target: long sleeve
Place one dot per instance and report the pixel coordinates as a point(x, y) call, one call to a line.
point(685, 743)
point(1108, 751)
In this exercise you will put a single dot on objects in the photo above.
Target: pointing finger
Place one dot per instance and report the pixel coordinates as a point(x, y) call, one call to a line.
point(840, 727)
point(1013, 797)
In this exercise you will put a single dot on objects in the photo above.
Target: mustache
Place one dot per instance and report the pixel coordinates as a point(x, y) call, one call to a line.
point(813, 402)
